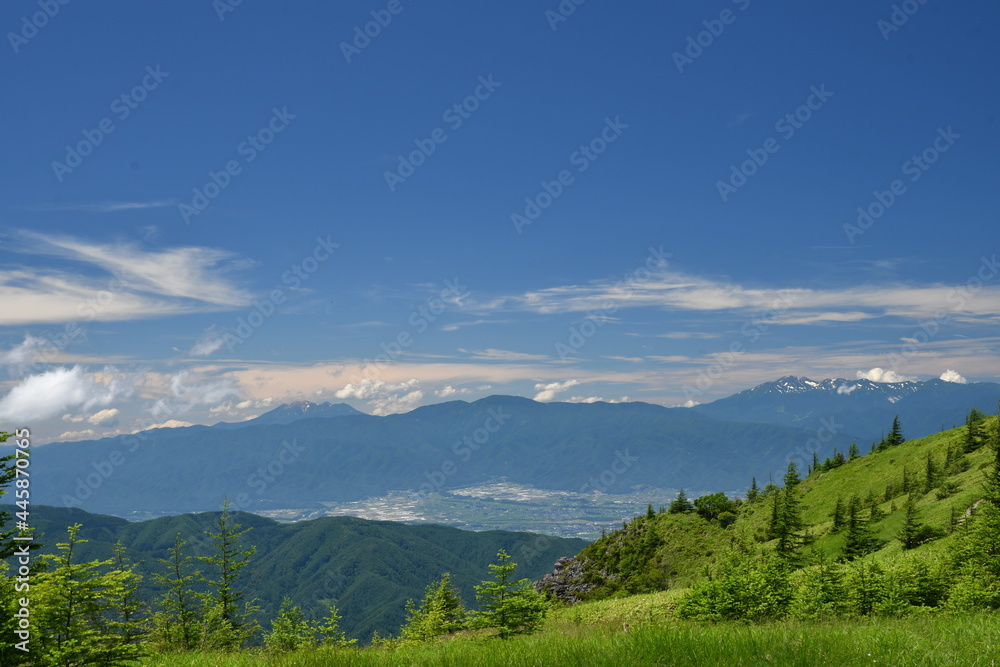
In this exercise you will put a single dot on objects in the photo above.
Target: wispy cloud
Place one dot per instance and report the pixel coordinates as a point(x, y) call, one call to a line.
point(132, 283)
point(104, 206)
point(491, 354)
point(677, 291)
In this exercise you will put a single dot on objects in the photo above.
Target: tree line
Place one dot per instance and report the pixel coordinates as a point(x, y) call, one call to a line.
point(90, 612)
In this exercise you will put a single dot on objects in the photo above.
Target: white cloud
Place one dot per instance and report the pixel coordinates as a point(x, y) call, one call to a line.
point(209, 343)
point(53, 392)
point(953, 376)
point(77, 435)
point(106, 206)
point(845, 390)
point(25, 353)
point(675, 290)
point(170, 423)
point(107, 417)
point(546, 392)
point(114, 282)
point(492, 354)
point(884, 375)
point(596, 399)
point(204, 393)
point(382, 397)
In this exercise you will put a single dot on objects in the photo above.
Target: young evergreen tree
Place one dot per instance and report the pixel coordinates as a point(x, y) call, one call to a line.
point(680, 504)
point(975, 431)
point(228, 619)
point(440, 613)
point(753, 492)
point(932, 474)
point(895, 436)
point(128, 612)
point(839, 516)
point(910, 532)
point(786, 516)
point(290, 631)
point(853, 452)
point(73, 604)
point(175, 625)
point(650, 513)
point(330, 633)
point(859, 538)
point(511, 607)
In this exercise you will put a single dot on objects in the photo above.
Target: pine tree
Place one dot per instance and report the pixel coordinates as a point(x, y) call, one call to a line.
point(859, 539)
point(175, 626)
point(440, 613)
point(330, 633)
point(512, 607)
point(895, 434)
point(839, 516)
point(73, 605)
point(815, 463)
point(791, 477)
point(680, 504)
point(932, 475)
point(289, 630)
point(127, 609)
point(853, 452)
point(228, 626)
point(786, 517)
point(906, 486)
point(649, 511)
point(754, 491)
point(910, 532)
point(975, 431)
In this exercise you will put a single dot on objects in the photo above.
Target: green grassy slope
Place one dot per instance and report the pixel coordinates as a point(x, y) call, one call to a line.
point(670, 550)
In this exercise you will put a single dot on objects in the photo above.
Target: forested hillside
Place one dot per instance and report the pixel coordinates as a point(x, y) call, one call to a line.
point(369, 569)
point(911, 526)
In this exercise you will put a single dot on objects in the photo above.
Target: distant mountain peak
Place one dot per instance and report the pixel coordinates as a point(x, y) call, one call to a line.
point(287, 413)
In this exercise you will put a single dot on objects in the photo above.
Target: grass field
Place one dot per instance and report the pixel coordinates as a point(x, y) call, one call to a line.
point(919, 640)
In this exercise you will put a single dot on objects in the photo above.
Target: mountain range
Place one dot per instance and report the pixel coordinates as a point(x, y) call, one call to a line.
point(367, 568)
point(862, 408)
point(308, 455)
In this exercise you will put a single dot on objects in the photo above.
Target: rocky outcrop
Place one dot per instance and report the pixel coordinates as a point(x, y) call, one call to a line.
point(566, 582)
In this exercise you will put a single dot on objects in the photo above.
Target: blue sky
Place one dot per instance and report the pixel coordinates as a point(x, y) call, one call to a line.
point(212, 209)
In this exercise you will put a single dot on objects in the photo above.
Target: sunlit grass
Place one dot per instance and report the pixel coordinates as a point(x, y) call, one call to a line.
point(924, 640)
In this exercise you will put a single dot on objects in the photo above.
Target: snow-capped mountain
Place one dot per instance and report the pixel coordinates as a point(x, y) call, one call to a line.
point(290, 412)
point(862, 408)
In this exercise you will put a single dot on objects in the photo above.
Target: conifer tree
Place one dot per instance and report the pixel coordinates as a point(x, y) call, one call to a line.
point(786, 516)
point(330, 633)
point(975, 431)
point(128, 612)
point(895, 436)
point(853, 452)
point(228, 619)
point(910, 532)
point(932, 474)
point(512, 607)
point(440, 613)
point(859, 538)
point(289, 630)
point(839, 516)
point(680, 504)
point(73, 604)
point(175, 625)
point(754, 491)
